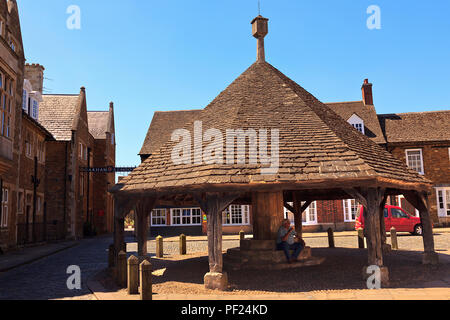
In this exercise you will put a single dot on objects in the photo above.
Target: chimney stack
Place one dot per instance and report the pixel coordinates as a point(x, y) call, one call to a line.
point(260, 28)
point(35, 74)
point(367, 92)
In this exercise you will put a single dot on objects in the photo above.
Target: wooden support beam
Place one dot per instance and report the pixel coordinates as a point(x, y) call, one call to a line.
point(420, 202)
point(213, 205)
point(143, 208)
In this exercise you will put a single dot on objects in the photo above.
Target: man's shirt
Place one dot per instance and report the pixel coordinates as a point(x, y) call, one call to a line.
point(282, 232)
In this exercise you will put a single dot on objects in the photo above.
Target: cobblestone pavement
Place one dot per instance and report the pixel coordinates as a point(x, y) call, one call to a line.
point(46, 278)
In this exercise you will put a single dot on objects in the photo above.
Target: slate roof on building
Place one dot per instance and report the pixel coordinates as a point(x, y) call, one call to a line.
point(40, 127)
point(315, 143)
point(162, 126)
point(98, 123)
point(416, 126)
point(57, 114)
point(367, 113)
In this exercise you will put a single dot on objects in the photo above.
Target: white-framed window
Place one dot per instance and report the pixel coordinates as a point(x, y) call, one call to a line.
point(35, 110)
point(186, 216)
point(28, 146)
point(443, 201)
point(357, 123)
point(12, 44)
point(158, 217)
point(414, 160)
point(25, 100)
point(20, 202)
point(5, 199)
point(350, 210)
point(1, 27)
point(236, 215)
point(309, 216)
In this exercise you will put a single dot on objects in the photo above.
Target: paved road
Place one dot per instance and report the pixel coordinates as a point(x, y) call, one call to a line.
point(46, 278)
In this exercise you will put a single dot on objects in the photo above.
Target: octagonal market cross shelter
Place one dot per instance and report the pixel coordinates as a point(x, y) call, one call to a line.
point(321, 157)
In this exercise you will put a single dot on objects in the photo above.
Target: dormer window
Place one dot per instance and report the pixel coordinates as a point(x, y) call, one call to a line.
point(357, 123)
point(35, 110)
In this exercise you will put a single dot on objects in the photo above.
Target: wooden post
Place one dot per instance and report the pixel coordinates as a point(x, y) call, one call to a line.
point(182, 244)
point(213, 205)
point(298, 212)
point(133, 275)
point(144, 206)
point(145, 272)
point(159, 247)
point(122, 269)
point(420, 202)
point(241, 235)
point(268, 214)
point(361, 238)
point(394, 243)
point(330, 238)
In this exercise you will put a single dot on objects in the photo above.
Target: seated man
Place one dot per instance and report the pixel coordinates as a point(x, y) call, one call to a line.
point(287, 240)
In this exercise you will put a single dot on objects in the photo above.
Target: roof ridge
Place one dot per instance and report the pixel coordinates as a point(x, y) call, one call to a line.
point(342, 102)
point(418, 112)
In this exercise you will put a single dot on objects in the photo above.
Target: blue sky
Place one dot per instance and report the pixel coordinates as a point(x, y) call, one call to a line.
point(148, 55)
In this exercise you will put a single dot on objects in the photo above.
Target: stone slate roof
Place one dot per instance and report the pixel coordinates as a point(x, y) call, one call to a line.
point(163, 124)
point(416, 126)
point(98, 123)
point(367, 113)
point(48, 135)
point(57, 114)
point(316, 144)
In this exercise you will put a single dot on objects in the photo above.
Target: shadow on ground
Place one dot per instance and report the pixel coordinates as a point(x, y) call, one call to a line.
point(341, 270)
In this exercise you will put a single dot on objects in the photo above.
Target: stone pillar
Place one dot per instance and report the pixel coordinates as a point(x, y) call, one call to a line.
point(182, 244)
point(145, 275)
point(394, 243)
point(133, 275)
point(159, 247)
point(121, 275)
point(268, 214)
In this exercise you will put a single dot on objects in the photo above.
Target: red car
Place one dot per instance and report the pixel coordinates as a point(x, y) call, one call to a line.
point(394, 217)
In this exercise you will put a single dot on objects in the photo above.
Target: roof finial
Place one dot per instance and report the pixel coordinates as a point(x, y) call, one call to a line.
point(260, 29)
point(259, 7)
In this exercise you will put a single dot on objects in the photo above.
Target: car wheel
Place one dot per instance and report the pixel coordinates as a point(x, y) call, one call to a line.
point(418, 230)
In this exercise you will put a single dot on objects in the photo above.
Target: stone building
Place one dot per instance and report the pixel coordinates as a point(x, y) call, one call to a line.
point(77, 198)
point(31, 219)
point(101, 127)
point(12, 61)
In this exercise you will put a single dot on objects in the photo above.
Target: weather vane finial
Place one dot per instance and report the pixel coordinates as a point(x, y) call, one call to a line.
point(259, 7)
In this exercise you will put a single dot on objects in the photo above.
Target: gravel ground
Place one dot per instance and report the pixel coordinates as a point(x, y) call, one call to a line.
point(341, 270)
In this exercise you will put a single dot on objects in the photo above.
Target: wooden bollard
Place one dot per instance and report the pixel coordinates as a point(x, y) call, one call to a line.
point(122, 269)
point(394, 242)
point(111, 258)
point(145, 275)
point(133, 275)
point(330, 238)
point(182, 244)
point(159, 247)
point(361, 238)
point(241, 235)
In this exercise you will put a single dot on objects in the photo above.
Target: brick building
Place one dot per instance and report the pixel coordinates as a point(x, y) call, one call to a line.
point(422, 140)
point(12, 61)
